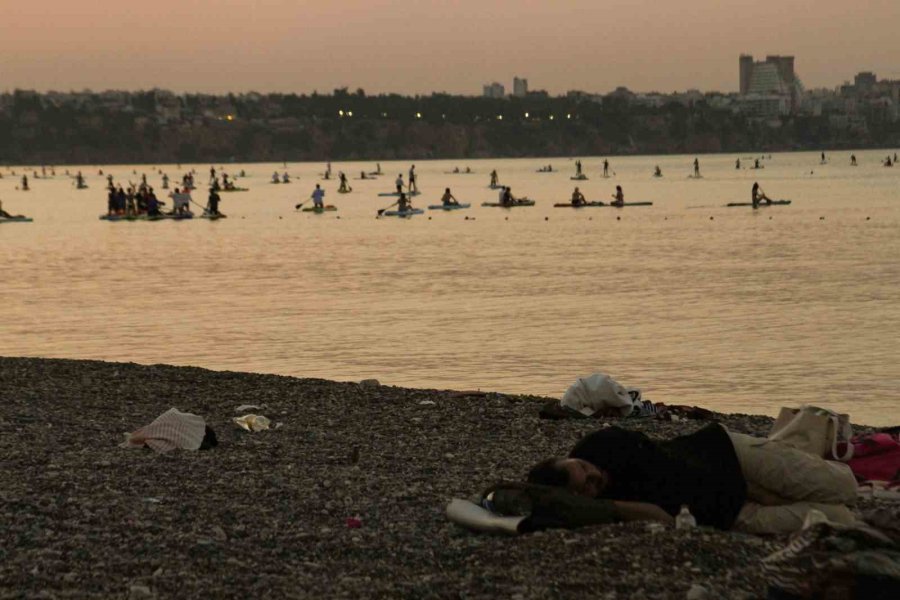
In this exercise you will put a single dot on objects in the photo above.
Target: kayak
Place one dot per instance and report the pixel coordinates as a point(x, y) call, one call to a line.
point(615, 205)
point(16, 219)
point(316, 209)
point(587, 205)
point(579, 178)
point(448, 206)
point(517, 203)
point(212, 217)
point(762, 203)
point(403, 213)
point(396, 195)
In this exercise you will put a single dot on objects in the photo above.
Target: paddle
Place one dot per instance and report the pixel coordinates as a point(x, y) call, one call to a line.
point(299, 206)
point(381, 210)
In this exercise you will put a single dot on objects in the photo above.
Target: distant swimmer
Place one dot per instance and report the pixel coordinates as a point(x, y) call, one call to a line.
point(757, 195)
point(696, 167)
point(494, 179)
point(318, 197)
point(448, 200)
point(412, 186)
point(619, 197)
point(399, 183)
point(737, 164)
point(657, 172)
point(578, 198)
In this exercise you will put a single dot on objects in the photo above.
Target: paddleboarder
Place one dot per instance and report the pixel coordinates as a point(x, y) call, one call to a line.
point(448, 200)
point(696, 167)
point(605, 168)
point(25, 183)
point(619, 197)
point(411, 186)
point(758, 195)
point(494, 179)
point(343, 187)
point(578, 198)
point(657, 172)
point(399, 183)
point(318, 196)
point(212, 204)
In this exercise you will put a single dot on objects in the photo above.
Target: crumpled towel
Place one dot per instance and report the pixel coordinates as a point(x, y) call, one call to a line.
point(600, 393)
point(172, 429)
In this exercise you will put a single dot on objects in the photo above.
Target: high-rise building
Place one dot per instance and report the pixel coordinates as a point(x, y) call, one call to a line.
point(773, 77)
point(520, 87)
point(494, 90)
point(865, 81)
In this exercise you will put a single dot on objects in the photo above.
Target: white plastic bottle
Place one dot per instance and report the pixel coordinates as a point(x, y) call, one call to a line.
point(685, 520)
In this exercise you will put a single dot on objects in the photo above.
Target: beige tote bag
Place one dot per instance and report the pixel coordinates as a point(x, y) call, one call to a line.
point(814, 430)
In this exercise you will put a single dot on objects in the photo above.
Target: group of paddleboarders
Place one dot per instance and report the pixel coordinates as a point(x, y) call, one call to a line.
point(412, 187)
point(285, 178)
point(133, 202)
point(578, 198)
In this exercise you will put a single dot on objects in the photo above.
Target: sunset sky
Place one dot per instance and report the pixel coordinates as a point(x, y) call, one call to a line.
point(415, 46)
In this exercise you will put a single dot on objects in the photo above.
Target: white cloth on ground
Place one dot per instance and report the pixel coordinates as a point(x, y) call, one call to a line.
point(600, 392)
point(171, 430)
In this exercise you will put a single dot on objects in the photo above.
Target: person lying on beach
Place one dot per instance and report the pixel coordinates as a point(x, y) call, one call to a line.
point(728, 480)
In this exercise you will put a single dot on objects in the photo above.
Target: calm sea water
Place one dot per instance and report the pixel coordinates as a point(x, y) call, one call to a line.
point(693, 302)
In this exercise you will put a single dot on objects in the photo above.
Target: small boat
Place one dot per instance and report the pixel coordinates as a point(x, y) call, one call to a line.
point(320, 209)
point(397, 195)
point(523, 202)
point(448, 206)
point(403, 213)
point(585, 205)
point(17, 219)
point(762, 203)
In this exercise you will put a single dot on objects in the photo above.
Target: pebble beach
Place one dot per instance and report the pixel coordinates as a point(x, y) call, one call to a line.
point(344, 497)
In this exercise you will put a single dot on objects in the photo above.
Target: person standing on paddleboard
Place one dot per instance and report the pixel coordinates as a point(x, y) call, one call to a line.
point(412, 187)
point(212, 204)
point(696, 167)
point(399, 183)
point(318, 196)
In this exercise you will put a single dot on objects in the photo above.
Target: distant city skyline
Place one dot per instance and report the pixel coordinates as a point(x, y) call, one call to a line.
point(421, 47)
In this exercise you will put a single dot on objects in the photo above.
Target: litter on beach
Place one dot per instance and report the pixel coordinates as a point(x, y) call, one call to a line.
point(253, 422)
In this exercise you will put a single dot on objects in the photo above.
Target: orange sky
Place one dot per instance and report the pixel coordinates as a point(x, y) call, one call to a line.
point(441, 45)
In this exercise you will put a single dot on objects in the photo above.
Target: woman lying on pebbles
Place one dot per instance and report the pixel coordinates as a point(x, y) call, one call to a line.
point(728, 480)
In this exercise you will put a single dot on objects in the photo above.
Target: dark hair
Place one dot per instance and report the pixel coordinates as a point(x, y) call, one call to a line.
point(547, 472)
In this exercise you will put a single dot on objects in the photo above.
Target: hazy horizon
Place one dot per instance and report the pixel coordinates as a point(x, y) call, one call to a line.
point(418, 47)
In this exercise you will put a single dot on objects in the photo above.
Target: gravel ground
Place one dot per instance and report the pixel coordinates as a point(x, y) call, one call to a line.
point(265, 514)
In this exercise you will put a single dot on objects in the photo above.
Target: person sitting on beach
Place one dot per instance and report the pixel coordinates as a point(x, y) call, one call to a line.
point(448, 200)
point(757, 195)
point(728, 480)
point(578, 198)
point(318, 196)
point(619, 197)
